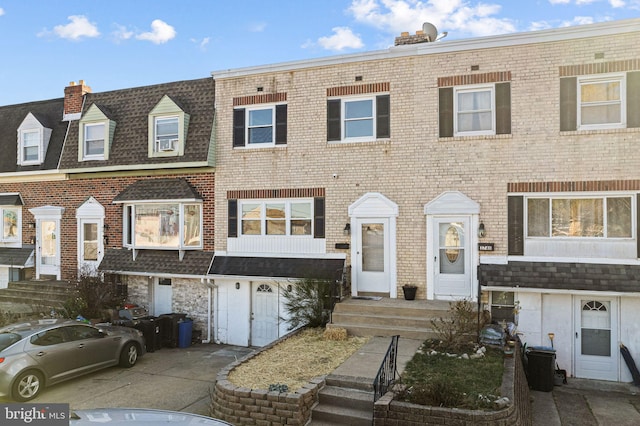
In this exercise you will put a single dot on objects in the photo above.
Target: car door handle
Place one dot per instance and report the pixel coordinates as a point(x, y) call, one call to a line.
point(41, 353)
point(81, 346)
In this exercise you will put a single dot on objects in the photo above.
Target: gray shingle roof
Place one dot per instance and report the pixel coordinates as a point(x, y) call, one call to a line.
point(194, 263)
point(158, 189)
point(130, 109)
point(49, 114)
point(562, 276)
point(15, 257)
point(278, 267)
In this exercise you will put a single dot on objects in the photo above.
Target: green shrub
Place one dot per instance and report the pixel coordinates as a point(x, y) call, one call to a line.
point(90, 297)
point(460, 329)
point(308, 303)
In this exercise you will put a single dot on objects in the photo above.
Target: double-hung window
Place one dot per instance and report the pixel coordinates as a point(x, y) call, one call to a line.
point(358, 119)
point(30, 140)
point(601, 102)
point(474, 110)
point(10, 224)
point(276, 217)
point(260, 126)
point(94, 140)
point(166, 133)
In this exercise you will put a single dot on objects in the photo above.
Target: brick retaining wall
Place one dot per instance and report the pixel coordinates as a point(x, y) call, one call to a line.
point(243, 406)
point(388, 412)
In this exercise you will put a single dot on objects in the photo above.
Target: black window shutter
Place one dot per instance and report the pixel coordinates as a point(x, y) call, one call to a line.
point(515, 226)
point(318, 217)
point(383, 129)
point(238, 127)
point(633, 99)
point(503, 108)
point(445, 107)
point(333, 120)
point(233, 218)
point(281, 124)
point(568, 104)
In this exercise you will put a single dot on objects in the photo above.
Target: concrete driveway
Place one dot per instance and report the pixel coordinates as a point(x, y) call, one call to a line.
point(169, 379)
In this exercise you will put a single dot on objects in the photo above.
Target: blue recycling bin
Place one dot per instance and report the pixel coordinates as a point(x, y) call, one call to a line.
point(185, 328)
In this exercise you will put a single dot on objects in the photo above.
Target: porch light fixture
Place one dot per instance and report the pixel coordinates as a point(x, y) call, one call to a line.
point(481, 231)
point(237, 286)
point(32, 225)
point(347, 229)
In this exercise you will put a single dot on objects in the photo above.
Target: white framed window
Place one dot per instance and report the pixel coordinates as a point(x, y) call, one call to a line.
point(166, 225)
point(93, 141)
point(503, 306)
point(601, 102)
point(603, 217)
point(30, 141)
point(261, 125)
point(11, 224)
point(358, 119)
point(276, 217)
point(166, 133)
point(474, 110)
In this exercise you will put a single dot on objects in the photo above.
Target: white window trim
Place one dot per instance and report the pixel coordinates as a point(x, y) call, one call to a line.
point(22, 160)
point(128, 225)
point(156, 142)
point(259, 107)
point(343, 119)
point(263, 216)
point(18, 237)
point(105, 127)
point(474, 88)
point(593, 79)
point(581, 196)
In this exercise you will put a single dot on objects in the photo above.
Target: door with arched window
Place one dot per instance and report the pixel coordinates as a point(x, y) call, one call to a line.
point(596, 338)
point(264, 313)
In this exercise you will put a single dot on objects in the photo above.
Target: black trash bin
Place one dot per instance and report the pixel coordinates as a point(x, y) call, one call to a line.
point(150, 329)
point(169, 329)
point(541, 366)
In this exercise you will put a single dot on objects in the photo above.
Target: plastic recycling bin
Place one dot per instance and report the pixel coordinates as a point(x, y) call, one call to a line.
point(541, 365)
point(185, 328)
point(169, 329)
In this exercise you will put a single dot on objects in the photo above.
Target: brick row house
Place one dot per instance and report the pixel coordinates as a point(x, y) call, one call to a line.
point(121, 180)
point(501, 169)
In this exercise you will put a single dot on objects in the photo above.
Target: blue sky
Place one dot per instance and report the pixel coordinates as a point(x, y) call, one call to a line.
point(117, 44)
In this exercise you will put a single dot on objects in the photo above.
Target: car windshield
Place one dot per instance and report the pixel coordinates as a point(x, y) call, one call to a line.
point(8, 339)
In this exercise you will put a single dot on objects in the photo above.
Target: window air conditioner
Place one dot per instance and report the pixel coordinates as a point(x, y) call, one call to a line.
point(167, 144)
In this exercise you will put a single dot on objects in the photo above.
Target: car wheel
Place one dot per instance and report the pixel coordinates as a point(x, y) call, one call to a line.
point(27, 386)
point(129, 355)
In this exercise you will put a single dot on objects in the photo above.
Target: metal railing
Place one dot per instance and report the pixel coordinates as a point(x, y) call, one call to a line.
point(388, 371)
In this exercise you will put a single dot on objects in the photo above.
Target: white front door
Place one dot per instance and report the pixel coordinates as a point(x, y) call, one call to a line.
point(48, 253)
point(264, 314)
point(373, 255)
point(452, 258)
point(596, 338)
point(162, 295)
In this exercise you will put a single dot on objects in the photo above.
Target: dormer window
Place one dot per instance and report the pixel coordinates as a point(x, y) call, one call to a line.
point(33, 139)
point(95, 134)
point(166, 133)
point(94, 140)
point(168, 125)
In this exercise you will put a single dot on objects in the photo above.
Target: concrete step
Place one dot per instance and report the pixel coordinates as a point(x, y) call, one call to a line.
point(334, 415)
point(349, 382)
point(58, 286)
point(423, 308)
point(379, 319)
point(404, 332)
point(346, 397)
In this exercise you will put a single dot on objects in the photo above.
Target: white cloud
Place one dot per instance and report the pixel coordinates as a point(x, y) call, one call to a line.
point(539, 25)
point(578, 20)
point(78, 28)
point(160, 33)
point(559, 1)
point(121, 33)
point(202, 44)
point(396, 16)
point(257, 27)
point(1, 11)
point(342, 38)
point(617, 3)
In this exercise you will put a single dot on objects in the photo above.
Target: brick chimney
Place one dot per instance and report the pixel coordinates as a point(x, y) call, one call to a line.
point(73, 98)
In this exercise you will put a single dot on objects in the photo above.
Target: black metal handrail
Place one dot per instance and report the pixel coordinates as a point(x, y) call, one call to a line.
point(388, 371)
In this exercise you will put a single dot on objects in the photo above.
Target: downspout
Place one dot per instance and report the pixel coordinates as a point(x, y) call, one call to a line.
point(209, 296)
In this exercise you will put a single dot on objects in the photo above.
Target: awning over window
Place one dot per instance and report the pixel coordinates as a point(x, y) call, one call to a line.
point(165, 262)
point(19, 257)
point(278, 267)
point(11, 200)
point(158, 189)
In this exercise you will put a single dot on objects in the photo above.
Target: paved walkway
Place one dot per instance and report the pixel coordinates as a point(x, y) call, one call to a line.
point(584, 402)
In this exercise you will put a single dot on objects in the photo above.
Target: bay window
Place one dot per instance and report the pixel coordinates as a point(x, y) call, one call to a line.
point(10, 224)
point(163, 226)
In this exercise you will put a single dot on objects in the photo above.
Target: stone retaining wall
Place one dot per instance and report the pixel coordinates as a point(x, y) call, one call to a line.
point(388, 412)
point(243, 406)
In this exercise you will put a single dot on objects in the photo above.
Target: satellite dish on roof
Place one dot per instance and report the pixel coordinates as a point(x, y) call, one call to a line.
point(430, 31)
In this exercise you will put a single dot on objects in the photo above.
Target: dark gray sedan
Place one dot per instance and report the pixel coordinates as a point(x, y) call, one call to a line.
point(42, 353)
